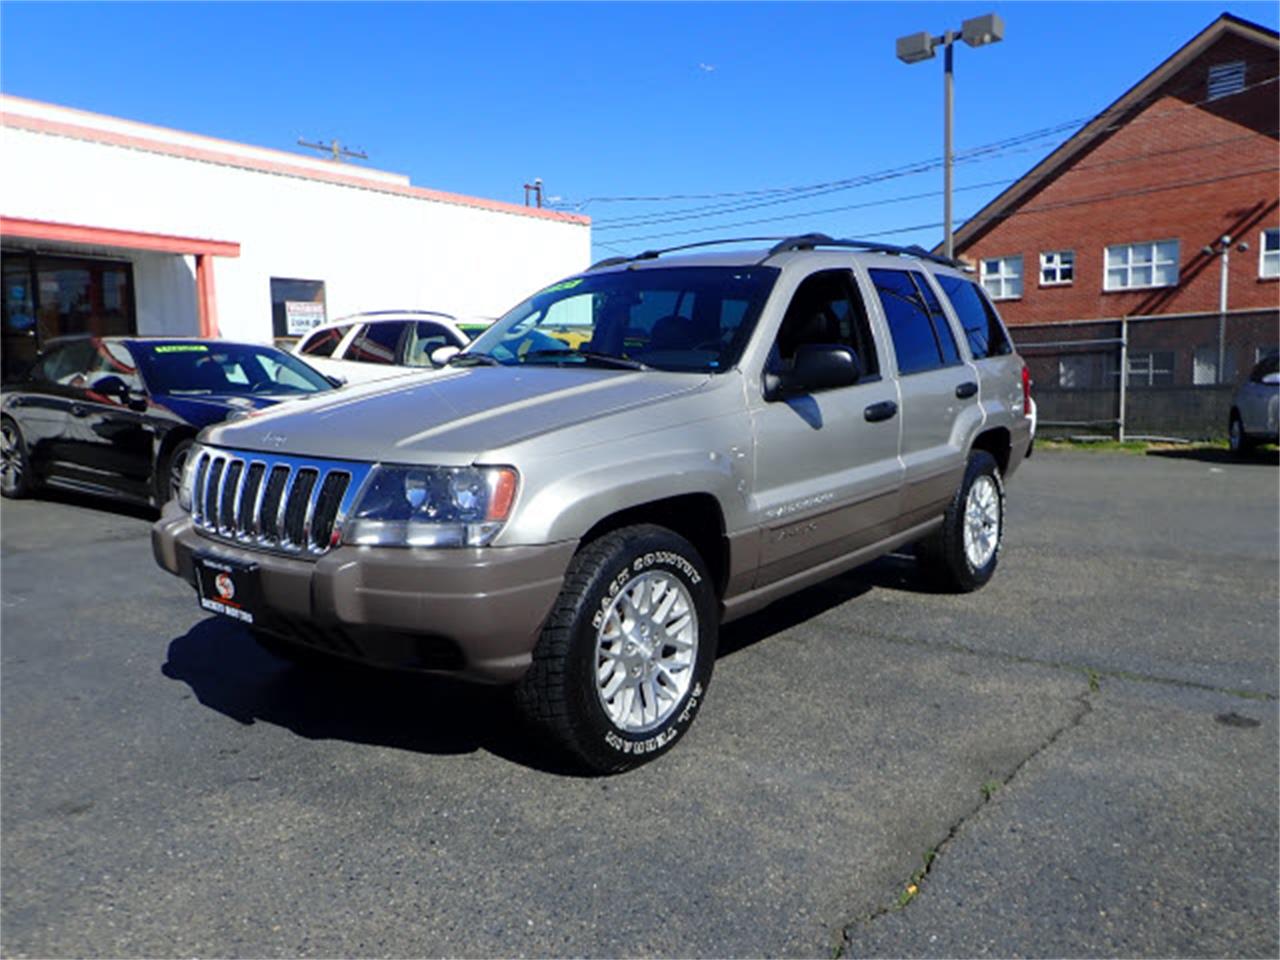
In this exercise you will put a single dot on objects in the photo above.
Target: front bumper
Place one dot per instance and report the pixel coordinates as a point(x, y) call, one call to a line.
point(474, 612)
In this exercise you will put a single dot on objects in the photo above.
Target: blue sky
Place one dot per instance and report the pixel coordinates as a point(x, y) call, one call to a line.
point(611, 100)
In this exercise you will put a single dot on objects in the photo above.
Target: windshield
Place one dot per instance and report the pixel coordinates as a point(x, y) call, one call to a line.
point(194, 369)
point(692, 319)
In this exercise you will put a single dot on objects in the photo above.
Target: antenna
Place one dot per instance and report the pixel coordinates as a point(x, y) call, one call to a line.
point(335, 149)
point(536, 189)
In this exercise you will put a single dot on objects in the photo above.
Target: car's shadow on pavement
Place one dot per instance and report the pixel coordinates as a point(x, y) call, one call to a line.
point(228, 671)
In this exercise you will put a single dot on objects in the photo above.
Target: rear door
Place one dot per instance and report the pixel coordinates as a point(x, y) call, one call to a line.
point(827, 469)
point(940, 403)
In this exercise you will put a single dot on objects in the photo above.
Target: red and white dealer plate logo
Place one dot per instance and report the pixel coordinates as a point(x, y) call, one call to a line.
point(225, 586)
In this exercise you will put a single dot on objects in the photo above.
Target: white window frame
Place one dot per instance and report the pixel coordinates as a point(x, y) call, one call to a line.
point(1007, 282)
point(1058, 261)
point(1269, 257)
point(1131, 264)
point(1143, 368)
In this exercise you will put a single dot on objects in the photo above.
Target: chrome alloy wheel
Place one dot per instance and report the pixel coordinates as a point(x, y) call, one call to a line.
point(177, 466)
point(982, 521)
point(646, 647)
point(11, 465)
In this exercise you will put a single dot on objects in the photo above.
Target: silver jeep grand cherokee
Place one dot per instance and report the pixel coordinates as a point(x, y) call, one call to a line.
point(625, 461)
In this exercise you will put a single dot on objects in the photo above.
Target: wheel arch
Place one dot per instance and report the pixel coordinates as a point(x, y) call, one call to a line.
point(998, 442)
point(697, 517)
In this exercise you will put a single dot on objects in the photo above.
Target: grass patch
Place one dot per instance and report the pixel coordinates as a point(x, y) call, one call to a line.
point(1129, 446)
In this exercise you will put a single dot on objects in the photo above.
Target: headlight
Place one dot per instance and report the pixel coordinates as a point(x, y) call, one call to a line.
point(189, 477)
point(432, 507)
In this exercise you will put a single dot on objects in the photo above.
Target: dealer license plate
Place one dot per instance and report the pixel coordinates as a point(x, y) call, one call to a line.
point(227, 587)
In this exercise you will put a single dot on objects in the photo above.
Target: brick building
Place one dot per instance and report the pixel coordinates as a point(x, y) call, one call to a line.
point(1127, 219)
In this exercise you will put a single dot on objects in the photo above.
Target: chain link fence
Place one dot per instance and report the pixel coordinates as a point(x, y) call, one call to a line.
point(1181, 373)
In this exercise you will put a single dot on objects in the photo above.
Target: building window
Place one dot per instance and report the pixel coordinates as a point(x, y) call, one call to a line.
point(1226, 79)
point(297, 306)
point(1204, 365)
point(1151, 369)
point(1002, 277)
point(1133, 266)
point(1057, 267)
point(1269, 254)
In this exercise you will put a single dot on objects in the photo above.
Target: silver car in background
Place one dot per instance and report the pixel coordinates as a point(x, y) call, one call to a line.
point(1255, 409)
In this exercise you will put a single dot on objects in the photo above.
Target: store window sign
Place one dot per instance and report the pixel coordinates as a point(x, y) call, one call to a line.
point(302, 316)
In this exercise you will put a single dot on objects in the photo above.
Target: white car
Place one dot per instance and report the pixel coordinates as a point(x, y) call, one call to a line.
point(380, 343)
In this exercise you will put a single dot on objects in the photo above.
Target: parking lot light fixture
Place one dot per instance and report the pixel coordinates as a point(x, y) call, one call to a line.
point(976, 32)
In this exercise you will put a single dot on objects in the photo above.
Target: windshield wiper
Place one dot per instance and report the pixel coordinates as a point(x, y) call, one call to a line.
point(588, 356)
point(476, 359)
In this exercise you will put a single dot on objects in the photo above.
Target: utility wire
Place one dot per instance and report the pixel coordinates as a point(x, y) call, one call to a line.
point(1139, 191)
point(885, 201)
point(795, 194)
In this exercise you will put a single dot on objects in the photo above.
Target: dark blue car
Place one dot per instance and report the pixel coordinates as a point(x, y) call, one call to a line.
point(117, 415)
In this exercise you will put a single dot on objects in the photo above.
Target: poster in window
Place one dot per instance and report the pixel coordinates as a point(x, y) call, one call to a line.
point(301, 316)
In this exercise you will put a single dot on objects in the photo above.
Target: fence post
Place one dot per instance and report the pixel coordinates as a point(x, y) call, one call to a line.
point(1124, 373)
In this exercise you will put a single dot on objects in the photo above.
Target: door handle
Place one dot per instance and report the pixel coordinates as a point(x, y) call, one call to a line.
point(966, 390)
point(880, 411)
point(78, 410)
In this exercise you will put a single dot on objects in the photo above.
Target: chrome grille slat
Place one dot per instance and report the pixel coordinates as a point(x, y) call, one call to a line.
point(290, 505)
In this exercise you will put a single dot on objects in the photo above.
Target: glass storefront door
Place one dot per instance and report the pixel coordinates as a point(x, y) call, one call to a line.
point(49, 296)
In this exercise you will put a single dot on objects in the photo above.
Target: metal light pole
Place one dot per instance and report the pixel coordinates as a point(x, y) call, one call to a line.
point(1224, 252)
point(976, 32)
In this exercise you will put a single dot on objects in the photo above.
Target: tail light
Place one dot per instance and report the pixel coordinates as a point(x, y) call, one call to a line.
point(1026, 392)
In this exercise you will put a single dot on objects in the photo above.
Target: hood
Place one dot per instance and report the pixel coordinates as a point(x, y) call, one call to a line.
point(451, 417)
point(213, 407)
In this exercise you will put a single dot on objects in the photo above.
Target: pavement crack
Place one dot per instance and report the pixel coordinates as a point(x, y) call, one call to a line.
point(1093, 673)
point(989, 789)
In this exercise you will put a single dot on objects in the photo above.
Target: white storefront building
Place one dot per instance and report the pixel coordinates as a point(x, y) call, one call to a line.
point(110, 226)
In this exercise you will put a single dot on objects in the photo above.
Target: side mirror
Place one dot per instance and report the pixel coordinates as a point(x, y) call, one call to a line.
point(442, 355)
point(817, 366)
point(117, 389)
point(336, 380)
point(1271, 379)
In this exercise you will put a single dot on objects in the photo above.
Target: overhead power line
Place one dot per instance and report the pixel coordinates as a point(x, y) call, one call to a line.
point(784, 195)
point(886, 201)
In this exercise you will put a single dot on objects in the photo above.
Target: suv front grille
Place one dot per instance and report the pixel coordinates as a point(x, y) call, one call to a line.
point(267, 502)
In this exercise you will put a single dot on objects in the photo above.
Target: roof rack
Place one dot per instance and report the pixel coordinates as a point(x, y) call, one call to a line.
point(654, 254)
point(809, 241)
point(804, 241)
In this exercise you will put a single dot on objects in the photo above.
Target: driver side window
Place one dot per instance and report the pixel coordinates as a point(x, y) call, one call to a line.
point(826, 308)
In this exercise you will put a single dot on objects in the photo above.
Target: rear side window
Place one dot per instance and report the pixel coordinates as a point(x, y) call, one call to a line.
point(322, 343)
point(982, 328)
point(376, 343)
point(922, 339)
point(66, 364)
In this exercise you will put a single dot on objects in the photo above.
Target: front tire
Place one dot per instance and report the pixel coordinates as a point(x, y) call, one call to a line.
point(962, 554)
point(16, 480)
point(625, 658)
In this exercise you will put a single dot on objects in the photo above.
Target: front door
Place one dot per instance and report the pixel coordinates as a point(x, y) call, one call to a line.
point(827, 467)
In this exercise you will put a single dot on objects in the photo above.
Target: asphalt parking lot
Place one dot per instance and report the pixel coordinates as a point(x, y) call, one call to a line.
point(1079, 760)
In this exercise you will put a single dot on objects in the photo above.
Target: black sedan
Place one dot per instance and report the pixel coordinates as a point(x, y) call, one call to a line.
point(118, 415)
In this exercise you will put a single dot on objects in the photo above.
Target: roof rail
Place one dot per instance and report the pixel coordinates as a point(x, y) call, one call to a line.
point(654, 254)
point(804, 241)
point(808, 241)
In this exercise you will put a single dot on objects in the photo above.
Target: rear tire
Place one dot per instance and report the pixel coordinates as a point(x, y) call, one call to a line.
point(1237, 439)
point(962, 554)
point(16, 480)
point(626, 655)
